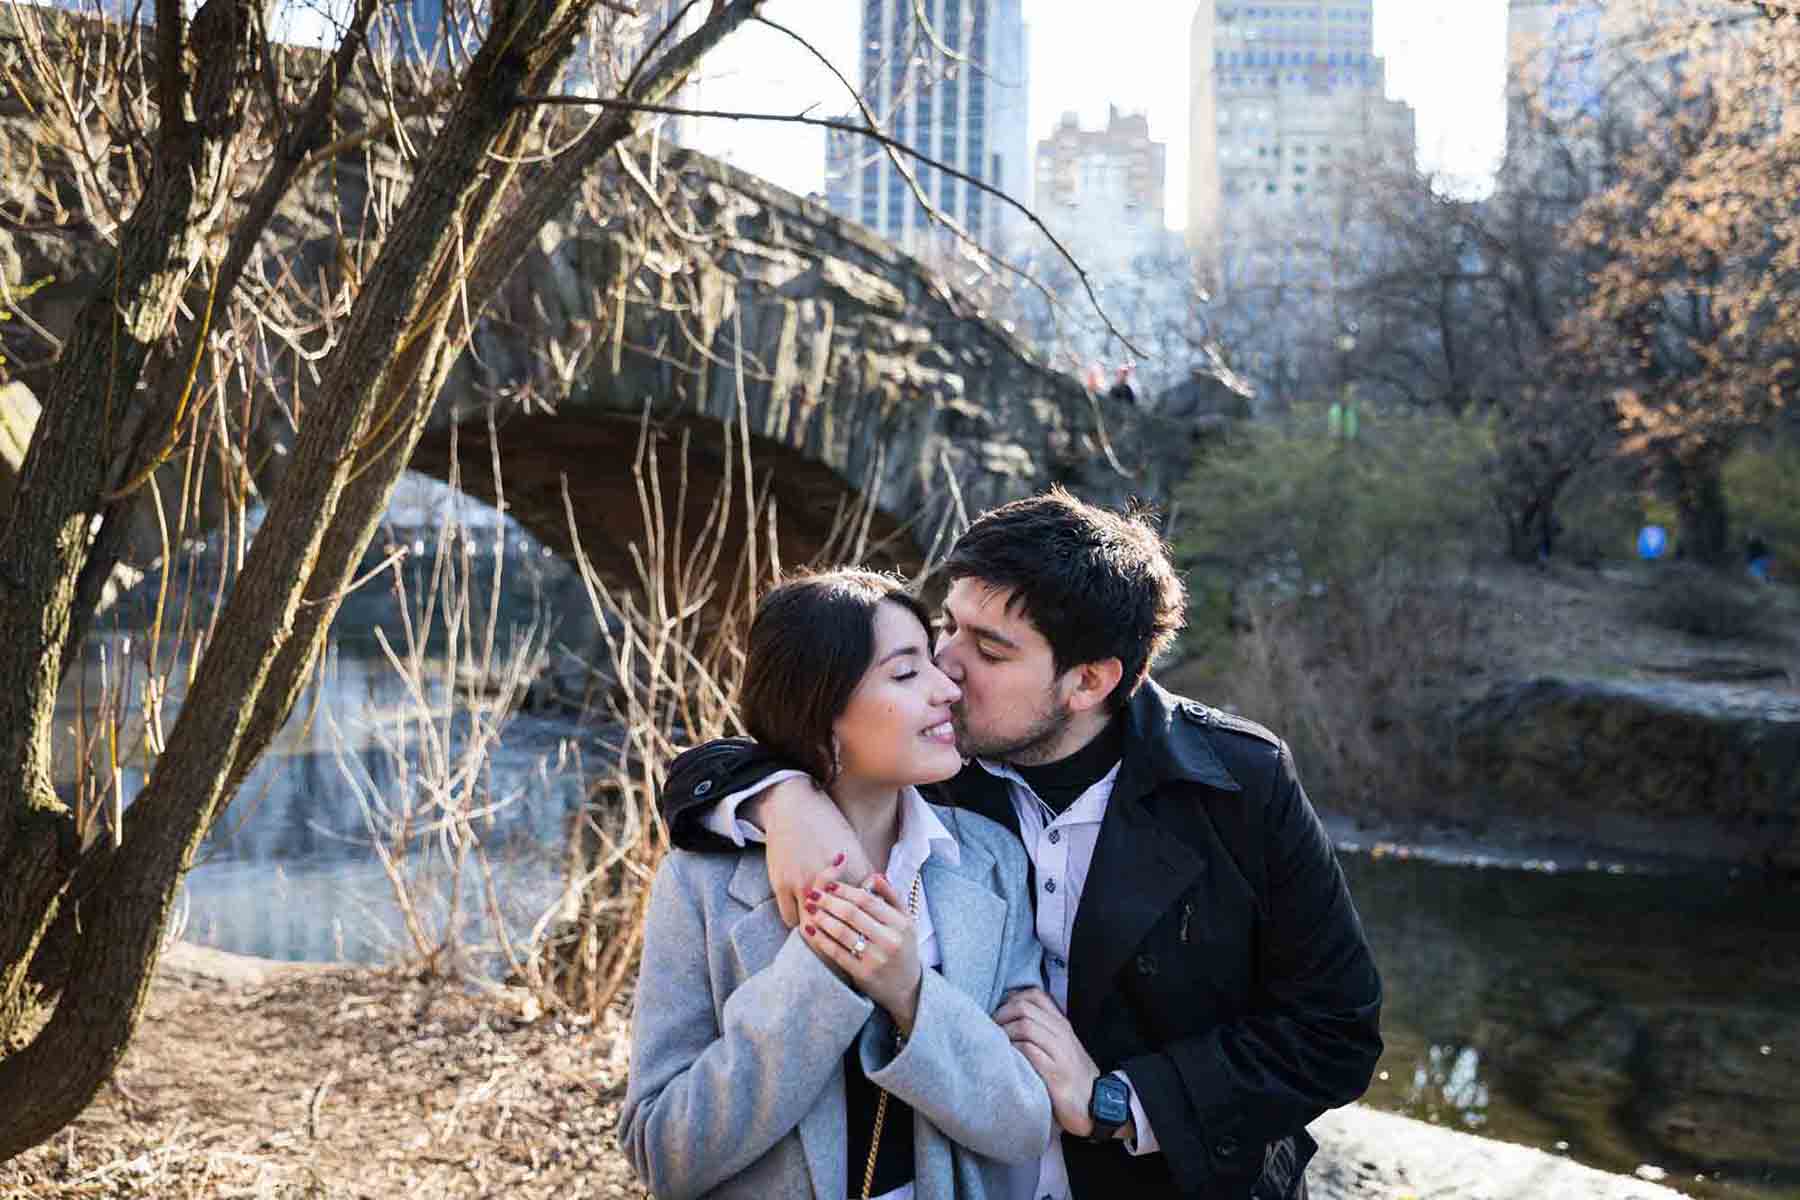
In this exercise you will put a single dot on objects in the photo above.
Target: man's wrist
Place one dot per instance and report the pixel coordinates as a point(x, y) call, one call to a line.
point(1108, 1108)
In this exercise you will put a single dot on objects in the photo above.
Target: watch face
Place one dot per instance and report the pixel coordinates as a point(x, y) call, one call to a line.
point(1112, 1101)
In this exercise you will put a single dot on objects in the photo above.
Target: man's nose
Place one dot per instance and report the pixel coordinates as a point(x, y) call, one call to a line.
point(947, 660)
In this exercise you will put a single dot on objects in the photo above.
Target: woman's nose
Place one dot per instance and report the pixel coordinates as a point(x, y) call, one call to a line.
point(947, 691)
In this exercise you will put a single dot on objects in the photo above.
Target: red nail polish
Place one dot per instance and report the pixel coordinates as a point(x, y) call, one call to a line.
point(810, 931)
point(831, 887)
point(811, 895)
point(839, 860)
point(812, 908)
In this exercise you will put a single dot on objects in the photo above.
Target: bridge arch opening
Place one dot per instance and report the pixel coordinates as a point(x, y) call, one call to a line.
point(594, 456)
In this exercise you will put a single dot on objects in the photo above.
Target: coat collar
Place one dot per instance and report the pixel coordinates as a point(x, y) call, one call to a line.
point(1168, 737)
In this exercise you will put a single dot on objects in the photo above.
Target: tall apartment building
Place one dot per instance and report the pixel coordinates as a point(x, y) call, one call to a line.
point(1557, 65)
point(970, 115)
point(1101, 192)
point(1286, 95)
point(1103, 188)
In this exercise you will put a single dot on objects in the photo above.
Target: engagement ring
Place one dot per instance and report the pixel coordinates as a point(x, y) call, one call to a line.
point(862, 943)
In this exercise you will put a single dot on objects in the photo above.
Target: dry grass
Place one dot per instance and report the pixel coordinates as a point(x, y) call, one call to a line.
point(345, 1083)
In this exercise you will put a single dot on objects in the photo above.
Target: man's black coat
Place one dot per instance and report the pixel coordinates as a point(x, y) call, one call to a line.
point(1217, 958)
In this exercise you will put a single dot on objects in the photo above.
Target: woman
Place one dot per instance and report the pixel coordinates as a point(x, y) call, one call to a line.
point(855, 1055)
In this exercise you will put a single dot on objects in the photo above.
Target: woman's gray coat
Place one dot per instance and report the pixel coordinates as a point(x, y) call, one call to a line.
point(737, 1080)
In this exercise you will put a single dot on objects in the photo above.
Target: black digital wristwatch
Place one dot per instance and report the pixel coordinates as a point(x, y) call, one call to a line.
point(1109, 1107)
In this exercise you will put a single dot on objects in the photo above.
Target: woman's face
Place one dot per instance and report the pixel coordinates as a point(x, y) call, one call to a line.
point(896, 730)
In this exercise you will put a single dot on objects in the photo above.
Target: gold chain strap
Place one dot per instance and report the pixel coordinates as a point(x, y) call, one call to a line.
point(912, 912)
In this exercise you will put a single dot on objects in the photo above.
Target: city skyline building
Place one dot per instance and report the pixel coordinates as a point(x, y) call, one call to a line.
point(1576, 67)
point(1103, 188)
point(1287, 99)
point(970, 114)
point(1102, 192)
point(1289, 111)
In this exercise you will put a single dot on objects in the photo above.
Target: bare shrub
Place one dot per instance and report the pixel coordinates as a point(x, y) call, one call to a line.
point(1345, 564)
point(432, 826)
point(1356, 682)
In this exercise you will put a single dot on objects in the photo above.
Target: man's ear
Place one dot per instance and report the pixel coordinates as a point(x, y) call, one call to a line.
point(1094, 682)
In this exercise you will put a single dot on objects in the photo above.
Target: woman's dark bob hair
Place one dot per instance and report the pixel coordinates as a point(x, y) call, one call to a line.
point(811, 642)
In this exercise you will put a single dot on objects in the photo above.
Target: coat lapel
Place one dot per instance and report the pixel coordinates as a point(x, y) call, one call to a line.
point(1139, 868)
point(969, 920)
point(1138, 873)
point(756, 938)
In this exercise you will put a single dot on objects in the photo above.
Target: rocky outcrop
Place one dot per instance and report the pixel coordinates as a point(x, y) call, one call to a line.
point(1366, 1154)
point(1685, 770)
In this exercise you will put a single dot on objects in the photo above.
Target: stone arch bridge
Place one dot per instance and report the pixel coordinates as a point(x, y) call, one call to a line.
point(856, 371)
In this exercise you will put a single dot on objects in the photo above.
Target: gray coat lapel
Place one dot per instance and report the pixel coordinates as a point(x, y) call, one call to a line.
point(969, 919)
point(756, 938)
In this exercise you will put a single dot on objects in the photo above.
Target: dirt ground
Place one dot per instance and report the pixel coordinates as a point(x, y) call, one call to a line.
point(261, 1080)
point(1572, 620)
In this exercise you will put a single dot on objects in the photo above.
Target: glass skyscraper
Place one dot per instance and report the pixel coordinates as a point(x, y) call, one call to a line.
point(970, 115)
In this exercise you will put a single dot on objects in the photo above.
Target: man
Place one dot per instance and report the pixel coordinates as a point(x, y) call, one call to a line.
point(1210, 989)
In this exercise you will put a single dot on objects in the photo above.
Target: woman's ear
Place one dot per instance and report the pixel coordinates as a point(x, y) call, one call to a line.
point(1094, 682)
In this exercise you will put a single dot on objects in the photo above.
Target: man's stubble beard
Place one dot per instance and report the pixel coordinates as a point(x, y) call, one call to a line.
point(1029, 749)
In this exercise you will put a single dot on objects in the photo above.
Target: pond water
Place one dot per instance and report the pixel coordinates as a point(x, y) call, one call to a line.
point(1623, 1019)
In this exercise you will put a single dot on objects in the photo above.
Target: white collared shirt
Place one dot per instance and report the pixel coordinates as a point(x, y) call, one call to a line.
point(922, 834)
point(1061, 849)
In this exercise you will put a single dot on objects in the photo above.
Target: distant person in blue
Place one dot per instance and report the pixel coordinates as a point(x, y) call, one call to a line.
point(1757, 559)
point(1652, 541)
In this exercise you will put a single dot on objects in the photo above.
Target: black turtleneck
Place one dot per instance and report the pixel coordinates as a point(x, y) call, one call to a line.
point(1059, 784)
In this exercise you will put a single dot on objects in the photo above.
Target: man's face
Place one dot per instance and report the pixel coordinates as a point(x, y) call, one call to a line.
point(1013, 707)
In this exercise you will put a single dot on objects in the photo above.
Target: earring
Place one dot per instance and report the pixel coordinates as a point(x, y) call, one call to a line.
point(837, 758)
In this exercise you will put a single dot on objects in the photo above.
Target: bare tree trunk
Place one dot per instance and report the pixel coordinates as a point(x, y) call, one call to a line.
point(1703, 517)
point(124, 914)
point(73, 455)
point(377, 389)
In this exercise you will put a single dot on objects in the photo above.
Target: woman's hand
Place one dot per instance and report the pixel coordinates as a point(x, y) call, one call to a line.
point(887, 971)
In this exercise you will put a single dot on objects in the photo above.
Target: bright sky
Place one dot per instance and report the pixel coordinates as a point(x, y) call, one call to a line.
point(1445, 57)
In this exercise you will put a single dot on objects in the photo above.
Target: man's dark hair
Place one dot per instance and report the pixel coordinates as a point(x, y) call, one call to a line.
point(811, 642)
point(1096, 583)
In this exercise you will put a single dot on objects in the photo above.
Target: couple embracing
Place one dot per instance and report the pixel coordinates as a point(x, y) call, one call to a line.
point(996, 917)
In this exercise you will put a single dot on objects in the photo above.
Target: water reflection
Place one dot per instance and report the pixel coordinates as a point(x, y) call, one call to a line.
point(1629, 1020)
point(1450, 1079)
